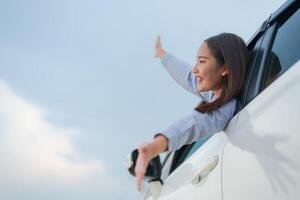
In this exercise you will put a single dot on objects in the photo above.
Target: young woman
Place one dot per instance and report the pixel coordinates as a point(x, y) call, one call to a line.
point(216, 78)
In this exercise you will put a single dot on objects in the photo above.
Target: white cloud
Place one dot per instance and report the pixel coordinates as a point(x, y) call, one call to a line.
point(32, 148)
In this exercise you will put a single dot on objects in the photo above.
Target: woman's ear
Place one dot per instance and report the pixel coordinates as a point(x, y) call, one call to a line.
point(225, 71)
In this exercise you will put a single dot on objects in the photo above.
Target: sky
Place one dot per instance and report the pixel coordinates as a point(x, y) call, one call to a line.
point(80, 87)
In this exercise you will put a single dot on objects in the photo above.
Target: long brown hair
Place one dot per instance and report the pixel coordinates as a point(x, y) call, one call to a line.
point(230, 50)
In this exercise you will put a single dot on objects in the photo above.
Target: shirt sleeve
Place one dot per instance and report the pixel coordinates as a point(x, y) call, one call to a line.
point(182, 73)
point(197, 125)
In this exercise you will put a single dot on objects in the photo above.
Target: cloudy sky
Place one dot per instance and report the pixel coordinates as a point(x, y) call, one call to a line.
point(80, 87)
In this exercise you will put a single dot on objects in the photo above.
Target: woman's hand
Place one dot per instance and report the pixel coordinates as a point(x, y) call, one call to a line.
point(144, 157)
point(159, 51)
point(147, 151)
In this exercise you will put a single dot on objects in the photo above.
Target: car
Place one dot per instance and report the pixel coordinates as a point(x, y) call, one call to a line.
point(256, 155)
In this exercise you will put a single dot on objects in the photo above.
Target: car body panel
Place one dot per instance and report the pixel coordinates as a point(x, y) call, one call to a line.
point(261, 157)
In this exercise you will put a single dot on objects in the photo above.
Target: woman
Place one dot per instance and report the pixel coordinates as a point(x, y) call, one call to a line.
point(217, 78)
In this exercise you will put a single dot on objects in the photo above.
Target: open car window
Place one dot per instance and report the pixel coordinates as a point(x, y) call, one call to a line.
point(285, 49)
point(182, 154)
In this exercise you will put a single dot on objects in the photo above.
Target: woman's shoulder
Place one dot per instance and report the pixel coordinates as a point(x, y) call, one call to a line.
point(229, 107)
point(212, 97)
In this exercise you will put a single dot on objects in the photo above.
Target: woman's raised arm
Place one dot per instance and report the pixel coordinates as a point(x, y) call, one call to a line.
point(179, 70)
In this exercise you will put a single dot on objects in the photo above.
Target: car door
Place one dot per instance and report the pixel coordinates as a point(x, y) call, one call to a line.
point(261, 158)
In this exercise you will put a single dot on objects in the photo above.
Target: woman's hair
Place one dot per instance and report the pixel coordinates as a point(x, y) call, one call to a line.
point(231, 50)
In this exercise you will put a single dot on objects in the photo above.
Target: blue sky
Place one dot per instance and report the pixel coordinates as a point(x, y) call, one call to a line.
point(80, 87)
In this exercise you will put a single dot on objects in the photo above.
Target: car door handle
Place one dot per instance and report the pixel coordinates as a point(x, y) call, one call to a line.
point(204, 171)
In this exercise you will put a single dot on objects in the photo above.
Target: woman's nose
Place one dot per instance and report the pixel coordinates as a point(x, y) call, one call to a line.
point(195, 70)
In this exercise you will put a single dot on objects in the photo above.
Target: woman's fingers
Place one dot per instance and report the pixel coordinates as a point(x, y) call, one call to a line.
point(139, 179)
point(158, 44)
point(159, 51)
point(141, 164)
point(140, 171)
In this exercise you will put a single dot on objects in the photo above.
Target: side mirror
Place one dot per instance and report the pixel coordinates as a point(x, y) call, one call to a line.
point(153, 171)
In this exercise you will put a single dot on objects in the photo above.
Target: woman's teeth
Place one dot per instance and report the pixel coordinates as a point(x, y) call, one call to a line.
point(199, 78)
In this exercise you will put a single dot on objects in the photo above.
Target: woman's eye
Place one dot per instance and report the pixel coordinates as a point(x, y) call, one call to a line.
point(200, 61)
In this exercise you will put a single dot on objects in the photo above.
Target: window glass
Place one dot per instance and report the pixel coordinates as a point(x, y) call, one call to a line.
point(186, 151)
point(197, 145)
point(285, 50)
point(250, 78)
point(166, 165)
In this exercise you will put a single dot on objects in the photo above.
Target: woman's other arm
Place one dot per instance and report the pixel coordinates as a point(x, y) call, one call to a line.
point(184, 131)
point(197, 125)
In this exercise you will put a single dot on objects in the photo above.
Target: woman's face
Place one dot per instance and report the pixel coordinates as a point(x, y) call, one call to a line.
point(207, 70)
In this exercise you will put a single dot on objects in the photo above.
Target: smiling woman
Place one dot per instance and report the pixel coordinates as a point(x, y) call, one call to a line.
point(217, 78)
point(221, 68)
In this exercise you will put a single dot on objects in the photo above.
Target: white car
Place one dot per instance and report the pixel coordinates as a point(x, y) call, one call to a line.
point(256, 156)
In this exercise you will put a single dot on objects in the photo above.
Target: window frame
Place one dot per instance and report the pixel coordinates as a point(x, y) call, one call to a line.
point(260, 69)
point(277, 25)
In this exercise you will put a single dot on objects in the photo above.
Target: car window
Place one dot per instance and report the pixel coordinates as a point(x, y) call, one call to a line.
point(286, 48)
point(255, 59)
point(179, 155)
point(166, 165)
point(196, 146)
point(186, 151)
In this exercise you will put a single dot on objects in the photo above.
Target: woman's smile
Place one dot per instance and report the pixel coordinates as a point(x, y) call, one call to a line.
point(200, 78)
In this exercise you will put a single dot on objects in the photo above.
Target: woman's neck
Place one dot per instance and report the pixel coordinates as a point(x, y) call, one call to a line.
point(217, 93)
